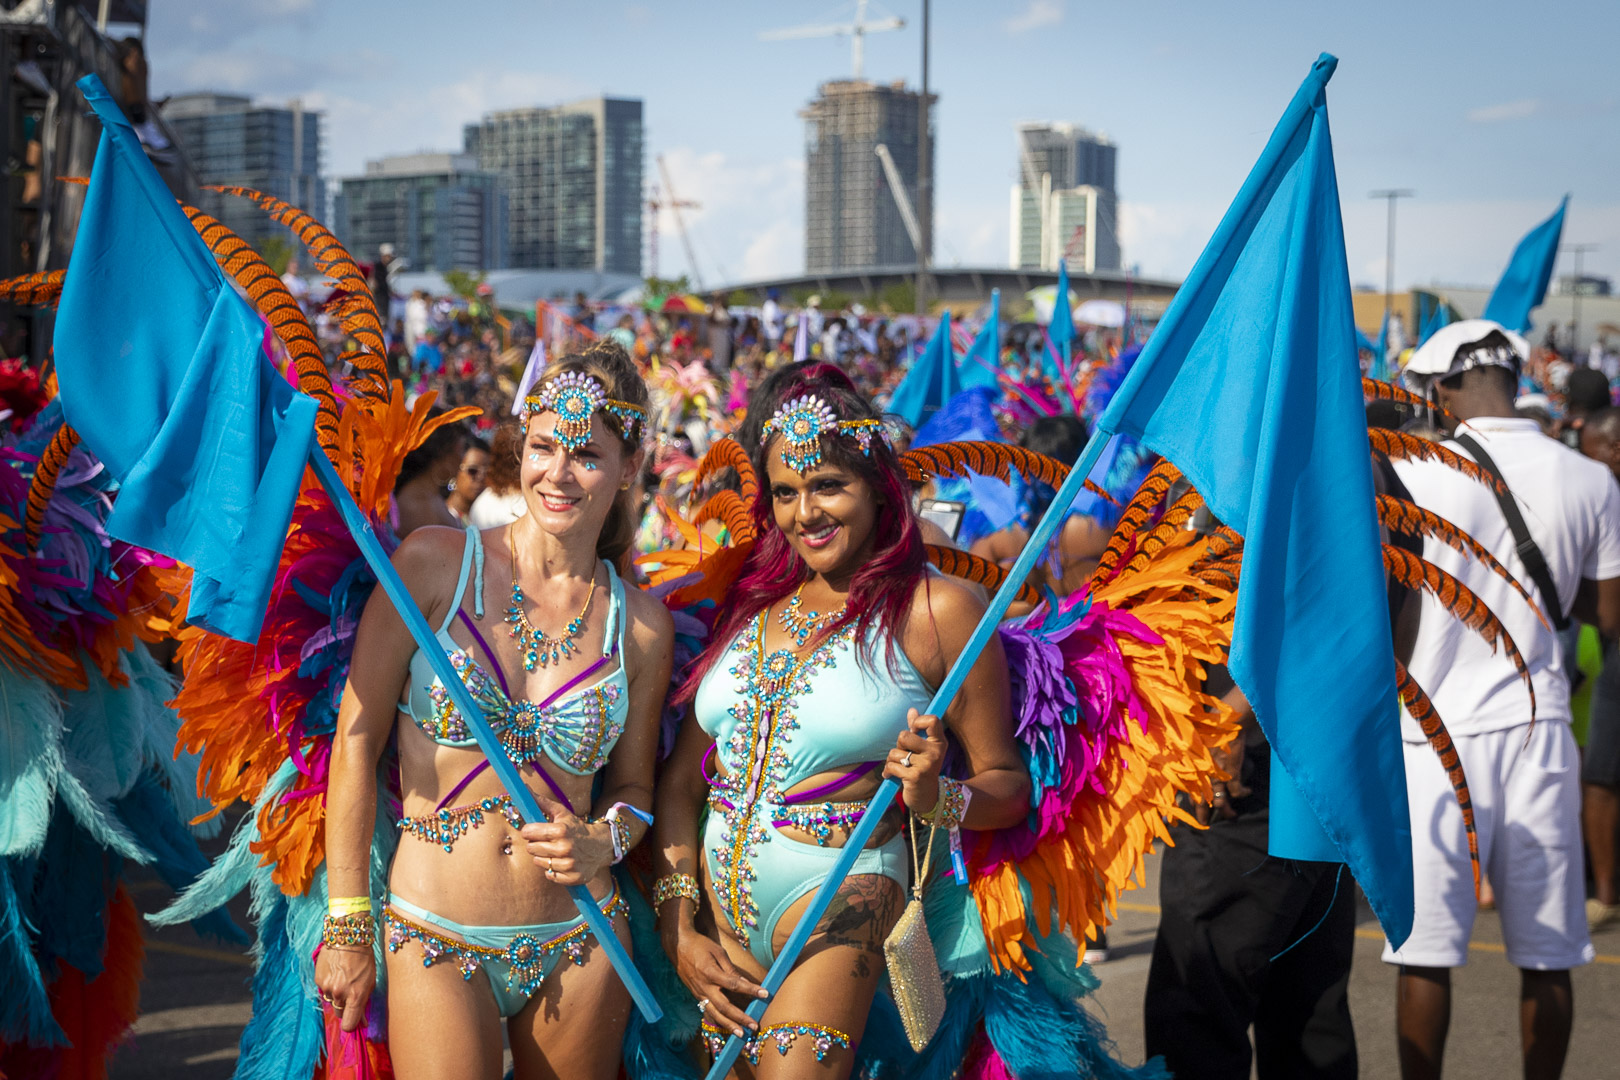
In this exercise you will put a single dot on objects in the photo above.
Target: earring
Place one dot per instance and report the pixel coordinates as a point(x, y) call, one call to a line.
point(625, 486)
point(452, 486)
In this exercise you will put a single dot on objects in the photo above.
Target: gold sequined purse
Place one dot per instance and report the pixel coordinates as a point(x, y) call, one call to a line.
point(914, 978)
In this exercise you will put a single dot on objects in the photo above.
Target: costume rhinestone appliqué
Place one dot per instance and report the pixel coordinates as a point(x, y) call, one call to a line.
point(756, 759)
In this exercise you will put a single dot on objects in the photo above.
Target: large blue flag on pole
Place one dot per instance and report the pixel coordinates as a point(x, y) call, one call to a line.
point(932, 380)
point(163, 374)
point(1250, 386)
point(1061, 328)
point(1523, 285)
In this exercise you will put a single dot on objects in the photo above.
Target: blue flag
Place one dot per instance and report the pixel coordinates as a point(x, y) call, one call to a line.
point(1439, 317)
point(1250, 386)
point(1523, 285)
point(932, 380)
point(982, 361)
point(1061, 329)
point(162, 373)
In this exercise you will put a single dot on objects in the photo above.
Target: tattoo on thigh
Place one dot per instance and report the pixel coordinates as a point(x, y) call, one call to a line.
point(862, 914)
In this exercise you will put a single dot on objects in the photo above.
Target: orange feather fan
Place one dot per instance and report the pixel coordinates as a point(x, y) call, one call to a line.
point(960, 564)
point(42, 289)
point(987, 459)
point(1399, 444)
point(43, 485)
point(1434, 729)
point(729, 454)
point(1411, 519)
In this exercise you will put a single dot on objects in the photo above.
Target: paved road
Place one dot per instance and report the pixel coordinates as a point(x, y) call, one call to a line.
point(195, 1000)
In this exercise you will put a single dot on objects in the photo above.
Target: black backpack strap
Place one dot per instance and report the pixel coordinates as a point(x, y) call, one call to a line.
point(1535, 563)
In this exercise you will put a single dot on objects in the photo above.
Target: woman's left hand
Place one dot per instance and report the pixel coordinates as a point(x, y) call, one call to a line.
point(916, 760)
point(571, 851)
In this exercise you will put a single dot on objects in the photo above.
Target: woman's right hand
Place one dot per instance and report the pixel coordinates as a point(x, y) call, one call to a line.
point(704, 967)
point(345, 977)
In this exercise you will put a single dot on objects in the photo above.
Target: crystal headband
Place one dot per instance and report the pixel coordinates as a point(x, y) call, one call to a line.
point(804, 420)
point(574, 396)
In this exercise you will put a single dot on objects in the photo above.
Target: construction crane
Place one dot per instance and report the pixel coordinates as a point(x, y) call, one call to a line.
point(901, 200)
point(856, 32)
point(676, 204)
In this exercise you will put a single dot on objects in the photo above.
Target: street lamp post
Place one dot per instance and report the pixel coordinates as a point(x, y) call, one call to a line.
point(1390, 194)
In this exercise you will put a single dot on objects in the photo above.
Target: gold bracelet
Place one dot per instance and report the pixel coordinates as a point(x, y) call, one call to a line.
point(339, 906)
point(671, 886)
point(355, 931)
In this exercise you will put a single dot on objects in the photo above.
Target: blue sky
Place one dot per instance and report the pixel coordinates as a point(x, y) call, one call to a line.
point(1490, 110)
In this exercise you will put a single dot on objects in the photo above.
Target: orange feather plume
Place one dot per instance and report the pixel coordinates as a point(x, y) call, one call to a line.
point(1434, 729)
point(729, 454)
point(988, 459)
point(1138, 512)
point(960, 564)
point(727, 507)
point(1383, 391)
point(42, 289)
point(1402, 516)
point(1399, 444)
point(43, 485)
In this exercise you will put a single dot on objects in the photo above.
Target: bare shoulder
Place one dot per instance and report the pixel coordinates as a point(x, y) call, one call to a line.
point(429, 560)
point(650, 625)
point(946, 611)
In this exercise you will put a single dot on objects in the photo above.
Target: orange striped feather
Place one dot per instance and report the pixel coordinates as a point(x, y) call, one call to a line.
point(1399, 444)
point(1138, 512)
point(43, 485)
point(972, 568)
point(1384, 391)
point(1162, 533)
point(270, 296)
point(1415, 573)
point(1434, 729)
point(43, 289)
point(331, 258)
point(1411, 519)
point(729, 454)
point(727, 507)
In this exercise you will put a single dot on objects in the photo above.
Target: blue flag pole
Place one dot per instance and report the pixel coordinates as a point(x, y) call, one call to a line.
point(499, 763)
point(858, 838)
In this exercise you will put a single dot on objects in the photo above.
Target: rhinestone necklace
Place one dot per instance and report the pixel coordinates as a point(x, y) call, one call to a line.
point(801, 625)
point(540, 648)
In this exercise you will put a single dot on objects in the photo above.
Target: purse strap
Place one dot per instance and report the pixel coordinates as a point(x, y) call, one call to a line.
point(920, 870)
point(1535, 563)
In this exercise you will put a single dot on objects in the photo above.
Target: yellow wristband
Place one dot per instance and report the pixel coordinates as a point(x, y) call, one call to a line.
point(339, 906)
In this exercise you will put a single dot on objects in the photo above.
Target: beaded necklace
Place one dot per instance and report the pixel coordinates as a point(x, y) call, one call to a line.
point(801, 625)
point(538, 647)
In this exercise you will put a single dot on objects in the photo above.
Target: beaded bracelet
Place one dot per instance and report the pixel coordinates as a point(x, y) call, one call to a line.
point(952, 805)
point(355, 931)
point(671, 886)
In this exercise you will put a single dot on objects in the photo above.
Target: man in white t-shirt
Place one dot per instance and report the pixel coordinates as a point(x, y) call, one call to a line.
point(1523, 777)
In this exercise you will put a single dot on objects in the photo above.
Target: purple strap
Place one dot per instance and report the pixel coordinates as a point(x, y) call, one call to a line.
point(802, 796)
point(501, 675)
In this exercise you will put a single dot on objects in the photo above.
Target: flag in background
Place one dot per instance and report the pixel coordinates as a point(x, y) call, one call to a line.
point(1523, 285)
point(1250, 385)
point(1061, 329)
point(163, 374)
point(981, 364)
point(932, 380)
point(801, 338)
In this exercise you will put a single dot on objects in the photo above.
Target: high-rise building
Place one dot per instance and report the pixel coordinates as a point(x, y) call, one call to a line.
point(231, 141)
point(852, 218)
point(1064, 205)
point(440, 211)
point(572, 177)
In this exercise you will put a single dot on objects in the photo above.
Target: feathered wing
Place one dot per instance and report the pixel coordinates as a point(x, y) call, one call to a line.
point(972, 568)
point(1136, 516)
point(987, 459)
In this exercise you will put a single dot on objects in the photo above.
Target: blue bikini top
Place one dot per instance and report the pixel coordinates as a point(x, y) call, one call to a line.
point(575, 727)
point(777, 719)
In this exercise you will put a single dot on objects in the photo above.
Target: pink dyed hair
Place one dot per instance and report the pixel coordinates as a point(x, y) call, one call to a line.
point(881, 592)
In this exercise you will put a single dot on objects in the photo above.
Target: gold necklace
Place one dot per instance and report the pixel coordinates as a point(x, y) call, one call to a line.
point(540, 648)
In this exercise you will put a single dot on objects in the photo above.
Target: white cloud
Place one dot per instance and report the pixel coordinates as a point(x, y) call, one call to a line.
point(1164, 238)
point(1039, 13)
point(199, 25)
point(1511, 110)
point(751, 221)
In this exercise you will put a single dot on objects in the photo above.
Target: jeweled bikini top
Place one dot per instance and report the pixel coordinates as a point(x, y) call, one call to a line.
point(576, 727)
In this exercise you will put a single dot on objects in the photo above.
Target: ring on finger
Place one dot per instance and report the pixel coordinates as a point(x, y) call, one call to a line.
point(907, 762)
point(703, 1006)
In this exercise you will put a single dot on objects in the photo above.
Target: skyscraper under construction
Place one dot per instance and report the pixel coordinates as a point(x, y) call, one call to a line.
point(852, 218)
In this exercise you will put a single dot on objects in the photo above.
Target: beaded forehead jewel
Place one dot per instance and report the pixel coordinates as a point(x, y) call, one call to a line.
point(574, 396)
point(804, 420)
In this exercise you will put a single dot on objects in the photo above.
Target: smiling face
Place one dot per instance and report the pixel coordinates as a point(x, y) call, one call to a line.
point(570, 492)
point(827, 514)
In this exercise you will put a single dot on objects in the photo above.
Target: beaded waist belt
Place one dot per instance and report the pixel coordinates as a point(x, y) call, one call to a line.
point(817, 819)
point(444, 827)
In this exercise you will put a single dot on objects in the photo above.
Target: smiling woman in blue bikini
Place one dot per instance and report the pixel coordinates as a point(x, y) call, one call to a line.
point(571, 669)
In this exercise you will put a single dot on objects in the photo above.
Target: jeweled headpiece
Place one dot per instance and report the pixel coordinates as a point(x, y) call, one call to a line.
point(574, 396)
point(804, 420)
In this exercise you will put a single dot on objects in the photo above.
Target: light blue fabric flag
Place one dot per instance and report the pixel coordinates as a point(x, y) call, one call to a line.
point(1250, 386)
point(931, 382)
point(983, 358)
point(1380, 368)
point(1061, 329)
point(1523, 285)
point(1439, 317)
point(162, 372)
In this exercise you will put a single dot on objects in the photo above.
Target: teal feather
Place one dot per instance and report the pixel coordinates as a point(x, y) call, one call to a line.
point(150, 690)
point(220, 883)
point(30, 760)
point(25, 1010)
point(942, 1058)
point(102, 734)
point(73, 880)
point(953, 923)
point(283, 1039)
point(96, 815)
point(149, 814)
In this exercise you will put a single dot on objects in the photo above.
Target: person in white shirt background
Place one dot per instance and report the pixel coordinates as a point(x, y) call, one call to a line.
point(1523, 776)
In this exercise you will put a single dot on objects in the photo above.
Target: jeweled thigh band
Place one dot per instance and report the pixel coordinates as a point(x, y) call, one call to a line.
point(824, 1039)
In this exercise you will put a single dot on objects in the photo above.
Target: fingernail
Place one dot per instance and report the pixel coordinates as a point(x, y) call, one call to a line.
point(764, 993)
point(739, 1033)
